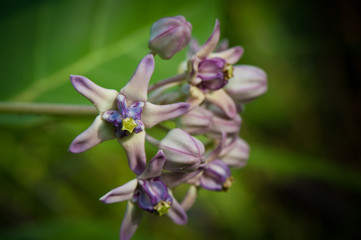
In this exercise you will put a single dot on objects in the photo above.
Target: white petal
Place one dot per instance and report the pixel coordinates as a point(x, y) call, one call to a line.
point(133, 216)
point(155, 166)
point(98, 132)
point(189, 198)
point(231, 55)
point(154, 114)
point(222, 100)
point(102, 98)
point(177, 213)
point(137, 87)
point(122, 193)
point(135, 150)
point(211, 43)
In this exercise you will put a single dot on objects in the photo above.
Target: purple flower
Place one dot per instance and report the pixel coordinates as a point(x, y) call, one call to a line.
point(124, 115)
point(148, 192)
point(169, 35)
point(210, 70)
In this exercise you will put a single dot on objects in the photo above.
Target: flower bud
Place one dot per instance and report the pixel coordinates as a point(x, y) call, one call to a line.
point(169, 35)
point(236, 153)
point(248, 83)
point(183, 152)
point(197, 121)
point(216, 176)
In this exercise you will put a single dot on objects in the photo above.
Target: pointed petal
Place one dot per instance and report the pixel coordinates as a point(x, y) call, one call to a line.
point(231, 55)
point(154, 114)
point(189, 198)
point(211, 43)
point(122, 193)
point(155, 166)
point(177, 213)
point(137, 87)
point(133, 216)
point(222, 45)
point(221, 99)
point(98, 132)
point(102, 98)
point(135, 150)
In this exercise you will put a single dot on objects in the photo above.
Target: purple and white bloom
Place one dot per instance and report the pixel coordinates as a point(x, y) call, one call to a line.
point(211, 70)
point(184, 152)
point(124, 115)
point(169, 35)
point(249, 82)
point(148, 192)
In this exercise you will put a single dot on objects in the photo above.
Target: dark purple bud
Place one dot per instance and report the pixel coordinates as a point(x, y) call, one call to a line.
point(216, 176)
point(169, 35)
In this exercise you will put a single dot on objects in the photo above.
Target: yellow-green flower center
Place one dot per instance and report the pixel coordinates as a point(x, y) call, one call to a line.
point(129, 124)
point(162, 208)
point(228, 71)
point(228, 183)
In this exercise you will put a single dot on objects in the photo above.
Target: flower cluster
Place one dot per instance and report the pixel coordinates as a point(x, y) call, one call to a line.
point(205, 98)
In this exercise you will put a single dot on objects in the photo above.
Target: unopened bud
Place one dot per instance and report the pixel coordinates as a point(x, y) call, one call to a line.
point(197, 121)
point(236, 153)
point(183, 152)
point(169, 35)
point(248, 83)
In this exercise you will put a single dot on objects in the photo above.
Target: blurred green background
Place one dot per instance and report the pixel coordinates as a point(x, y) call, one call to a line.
point(303, 178)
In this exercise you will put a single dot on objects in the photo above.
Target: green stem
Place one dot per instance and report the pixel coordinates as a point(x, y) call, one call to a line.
point(176, 78)
point(152, 140)
point(48, 109)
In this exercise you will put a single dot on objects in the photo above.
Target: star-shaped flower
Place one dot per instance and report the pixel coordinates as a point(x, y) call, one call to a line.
point(148, 192)
point(124, 115)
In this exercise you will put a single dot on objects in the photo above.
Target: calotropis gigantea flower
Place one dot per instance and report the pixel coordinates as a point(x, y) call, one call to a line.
point(169, 35)
point(148, 192)
point(210, 71)
point(124, 115)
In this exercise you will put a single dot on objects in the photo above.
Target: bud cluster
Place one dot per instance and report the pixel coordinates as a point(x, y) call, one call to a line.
point(204, 99)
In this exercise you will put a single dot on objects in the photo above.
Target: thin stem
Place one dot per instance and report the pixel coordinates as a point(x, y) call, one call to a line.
point(47, 109)
point(162, 127)
point(176, 78)
point(152, 140)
